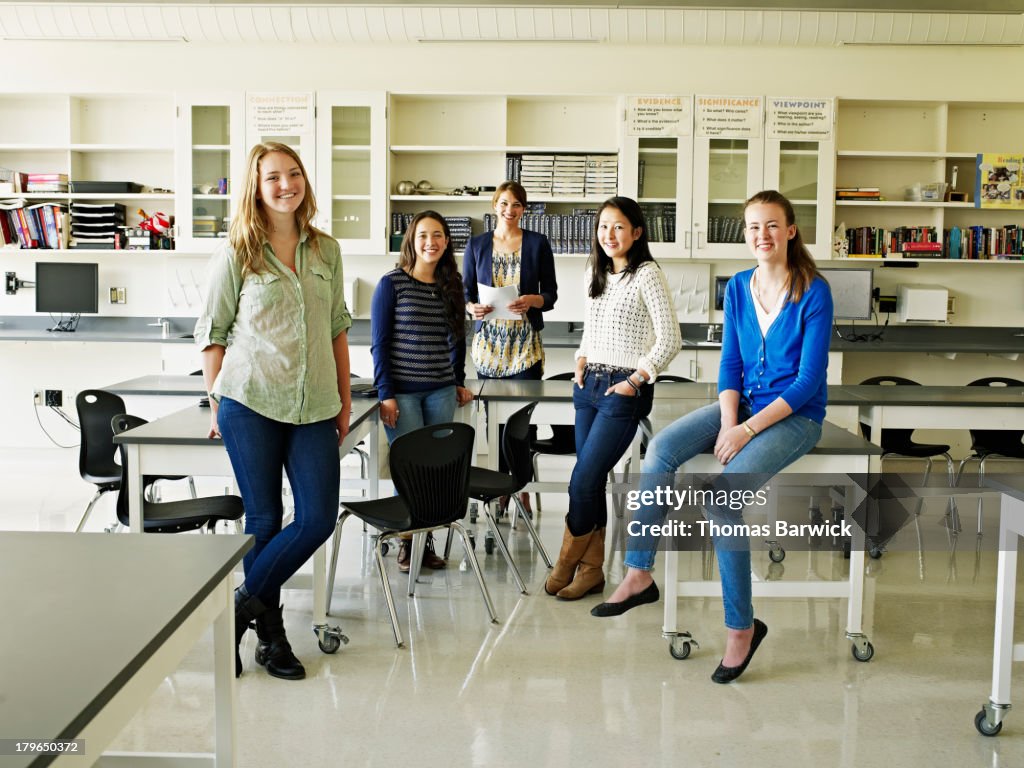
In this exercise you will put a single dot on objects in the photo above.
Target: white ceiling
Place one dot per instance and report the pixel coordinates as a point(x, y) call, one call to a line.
point(332, 24)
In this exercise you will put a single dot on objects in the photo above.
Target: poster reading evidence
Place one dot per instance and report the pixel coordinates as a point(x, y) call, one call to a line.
point(729, 117)
point(658, 116)
point(799, 119)
point(1000, 181)
point(279, 114)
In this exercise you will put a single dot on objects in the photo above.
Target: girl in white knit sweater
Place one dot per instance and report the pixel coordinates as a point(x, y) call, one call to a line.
point(630, 335)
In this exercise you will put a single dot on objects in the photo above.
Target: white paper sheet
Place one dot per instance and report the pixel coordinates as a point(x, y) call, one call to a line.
point(499, 298)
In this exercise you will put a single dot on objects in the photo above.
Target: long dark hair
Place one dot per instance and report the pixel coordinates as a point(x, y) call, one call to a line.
point(639, 253)
point(802, 269)
point(446, 274)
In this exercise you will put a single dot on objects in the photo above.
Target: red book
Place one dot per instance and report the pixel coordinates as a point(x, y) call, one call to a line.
point(922, 247)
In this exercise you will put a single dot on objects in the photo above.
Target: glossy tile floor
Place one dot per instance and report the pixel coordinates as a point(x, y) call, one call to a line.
point(552, 686)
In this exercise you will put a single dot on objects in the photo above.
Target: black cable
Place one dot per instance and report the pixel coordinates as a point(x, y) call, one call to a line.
point(856, 337)
point(64, 416)
point(52, 440)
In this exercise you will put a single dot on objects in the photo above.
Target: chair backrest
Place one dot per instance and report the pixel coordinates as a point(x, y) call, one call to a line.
point(96, 408)
point(122, 422)
point(996, 440)
point(674, 378)
point(515, 446)
point(430, 469)
point(892, 439)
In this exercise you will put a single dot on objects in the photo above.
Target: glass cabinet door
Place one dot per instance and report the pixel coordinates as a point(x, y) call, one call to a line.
point(351, 173)
point(209, 167)
point(726, 172)
point(663, 191)
point(804, 171)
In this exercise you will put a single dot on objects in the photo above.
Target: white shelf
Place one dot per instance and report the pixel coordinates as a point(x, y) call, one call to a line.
point(34, 147)
point(211, 197)
point(659, 200)
point(211, 147)
point(440, 150)
point(351, 197)
point(657, 151)
point(869, 154)
point(119, 148)
point(856, 259)
point(899, 204)
point(350, 147)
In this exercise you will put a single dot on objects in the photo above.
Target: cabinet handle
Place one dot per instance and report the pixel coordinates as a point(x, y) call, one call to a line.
point(701, 240)
point(693, 369)
point(687, 239)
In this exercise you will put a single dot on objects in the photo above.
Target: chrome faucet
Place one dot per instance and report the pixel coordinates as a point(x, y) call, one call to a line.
point(714, 333)
point(164, 325)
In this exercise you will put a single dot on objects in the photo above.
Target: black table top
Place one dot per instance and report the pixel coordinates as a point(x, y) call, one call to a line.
point(1010, 484)
point(83, 612)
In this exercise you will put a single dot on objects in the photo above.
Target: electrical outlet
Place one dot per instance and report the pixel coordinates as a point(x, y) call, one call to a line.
point(53, 398)
point(37, 397)
point(118, 295)
point(886, 303)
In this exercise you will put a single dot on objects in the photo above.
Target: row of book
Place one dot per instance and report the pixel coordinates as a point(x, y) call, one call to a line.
point(459, 227)
point(858, 193)
point(725, 229)
point(972, 242)
point(568, 233)
point(564, 175)
point(36, 226)
point(661, 222)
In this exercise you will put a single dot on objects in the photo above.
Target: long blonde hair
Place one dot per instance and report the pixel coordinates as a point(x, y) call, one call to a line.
point(248, 230)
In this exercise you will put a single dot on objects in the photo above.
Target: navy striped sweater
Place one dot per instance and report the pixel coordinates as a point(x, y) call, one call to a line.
point(413, 348)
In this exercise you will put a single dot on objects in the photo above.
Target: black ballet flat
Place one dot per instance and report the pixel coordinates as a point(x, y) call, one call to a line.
point(649, 595)
point(726, 674)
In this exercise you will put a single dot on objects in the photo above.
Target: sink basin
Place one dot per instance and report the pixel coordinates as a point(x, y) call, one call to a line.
point(694, 343)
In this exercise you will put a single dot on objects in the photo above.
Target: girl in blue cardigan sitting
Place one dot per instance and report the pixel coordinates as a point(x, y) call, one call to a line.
point(771, 403)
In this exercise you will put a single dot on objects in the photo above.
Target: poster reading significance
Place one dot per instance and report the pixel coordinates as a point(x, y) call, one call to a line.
point(729, 117)
point(999, 182)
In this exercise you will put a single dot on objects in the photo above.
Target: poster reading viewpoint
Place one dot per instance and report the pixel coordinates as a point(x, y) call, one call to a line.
point(799, 119)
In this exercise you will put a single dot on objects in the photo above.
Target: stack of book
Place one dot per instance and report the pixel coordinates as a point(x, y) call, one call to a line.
point(661, 222)
point(205, 226)
point(537, 174)
point(567, 233)
point(927, 250)
point(95, 225)
point(513, 167)
point(602, 178)
point(47, 182)
point(460, 229)
point(853, 194)
point(569, 174)
point(37, 226)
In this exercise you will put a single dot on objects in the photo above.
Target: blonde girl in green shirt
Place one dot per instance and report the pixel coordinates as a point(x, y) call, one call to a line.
point(273, 334)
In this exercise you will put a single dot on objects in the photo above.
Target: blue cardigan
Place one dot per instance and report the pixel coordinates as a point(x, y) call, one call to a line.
point(536, 271)
point(789, 362)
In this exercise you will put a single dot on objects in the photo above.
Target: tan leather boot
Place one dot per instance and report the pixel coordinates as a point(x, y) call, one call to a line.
point(590, 573)
point(569, 557)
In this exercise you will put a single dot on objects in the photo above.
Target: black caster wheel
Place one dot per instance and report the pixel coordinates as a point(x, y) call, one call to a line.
point(983, 726)
point(875, 552)
point(777, 555)
point(866, 655)
point(384, 550)
point(489, 546)
point(679, 649)
point(329, 644)
point(846, 550)
point(814, 513)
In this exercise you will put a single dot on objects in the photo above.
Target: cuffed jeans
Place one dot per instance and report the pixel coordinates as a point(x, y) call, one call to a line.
point(760, 459)
point(605, 427)
point(420, 409)
point(259, 448)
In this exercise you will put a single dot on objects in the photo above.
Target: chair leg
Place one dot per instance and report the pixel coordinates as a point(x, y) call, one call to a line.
point(192, 486)
point(475, 565)
point(533, 532)
point(388, 597)
point(416, 560)
point(535, 477)
point(333, 570)
point(88, 509)
point(500, 541)
point(954, 512)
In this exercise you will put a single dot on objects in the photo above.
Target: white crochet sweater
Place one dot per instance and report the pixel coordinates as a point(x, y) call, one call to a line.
point(633, 324)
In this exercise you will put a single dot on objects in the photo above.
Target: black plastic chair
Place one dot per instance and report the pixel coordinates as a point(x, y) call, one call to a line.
point(487, 485)
point(562, 441)
point(899, 443)
point(97, 452)
point(430, 468)
point(171, 516)
point(671, 377)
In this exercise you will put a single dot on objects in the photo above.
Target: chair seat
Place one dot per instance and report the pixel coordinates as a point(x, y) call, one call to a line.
point(552, 447)
point(387, 514)
point(189, 514)
point(487, 484)
point(1009, 451)
point(106, 482)
point(916, 450)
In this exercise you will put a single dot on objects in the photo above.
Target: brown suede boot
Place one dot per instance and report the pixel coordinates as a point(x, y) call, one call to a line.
point(590, 574)
point(569, 557)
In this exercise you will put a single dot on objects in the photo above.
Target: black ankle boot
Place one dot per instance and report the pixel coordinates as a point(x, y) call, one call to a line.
point(273, 650)
point(247, 608)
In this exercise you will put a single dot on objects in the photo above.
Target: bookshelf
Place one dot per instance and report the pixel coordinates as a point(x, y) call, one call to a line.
point(456, 141)
point(896, 145)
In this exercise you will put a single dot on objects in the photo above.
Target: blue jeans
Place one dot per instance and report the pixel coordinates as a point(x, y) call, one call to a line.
point(764, 456)
point(259, 448)
point(605, 427)
point(420, 409)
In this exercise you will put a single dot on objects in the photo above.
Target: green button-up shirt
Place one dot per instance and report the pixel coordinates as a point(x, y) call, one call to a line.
point(278, 328)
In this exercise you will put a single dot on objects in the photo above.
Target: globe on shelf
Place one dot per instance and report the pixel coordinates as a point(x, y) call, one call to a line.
point(405, 188)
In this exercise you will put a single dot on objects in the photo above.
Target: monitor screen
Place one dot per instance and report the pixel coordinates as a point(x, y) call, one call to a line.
point(67, 287)
point(851, 292)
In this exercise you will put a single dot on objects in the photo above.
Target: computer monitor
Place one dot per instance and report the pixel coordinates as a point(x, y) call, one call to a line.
point(67, 287)
point(852, 297)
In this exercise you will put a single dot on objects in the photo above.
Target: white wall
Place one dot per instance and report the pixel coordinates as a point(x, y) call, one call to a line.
point(990, 295)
